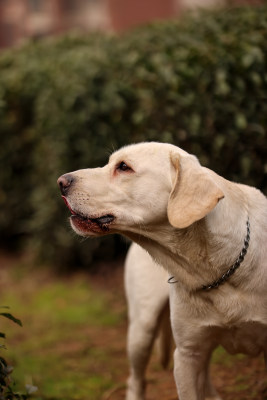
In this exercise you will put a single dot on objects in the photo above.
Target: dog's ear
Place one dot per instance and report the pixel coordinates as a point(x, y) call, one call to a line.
point(194, 193)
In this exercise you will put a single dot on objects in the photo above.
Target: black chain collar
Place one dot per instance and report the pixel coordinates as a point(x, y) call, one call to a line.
point(230, 271)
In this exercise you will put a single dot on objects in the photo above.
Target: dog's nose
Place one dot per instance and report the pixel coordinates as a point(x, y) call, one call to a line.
point(64, 182)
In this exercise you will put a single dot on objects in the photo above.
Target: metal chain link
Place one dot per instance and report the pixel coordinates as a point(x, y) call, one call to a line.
point(230, 271)
point(234, 267)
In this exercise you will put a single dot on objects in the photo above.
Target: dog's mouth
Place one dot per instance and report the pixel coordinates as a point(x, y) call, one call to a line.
point(85, 224)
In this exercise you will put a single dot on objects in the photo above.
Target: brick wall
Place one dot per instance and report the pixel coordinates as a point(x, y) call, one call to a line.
point(125, 14)
point(21, 19)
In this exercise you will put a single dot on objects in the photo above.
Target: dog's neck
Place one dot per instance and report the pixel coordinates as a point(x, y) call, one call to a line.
point(174, 251)
point(230, 271)
point(191, 255)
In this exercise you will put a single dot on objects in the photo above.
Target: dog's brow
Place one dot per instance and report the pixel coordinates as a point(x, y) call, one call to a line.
point(115, 157)
point(111, 158)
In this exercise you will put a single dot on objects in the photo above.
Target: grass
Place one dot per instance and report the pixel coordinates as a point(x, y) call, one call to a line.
point(59, 348)
point(221, 357)
point(72, 345)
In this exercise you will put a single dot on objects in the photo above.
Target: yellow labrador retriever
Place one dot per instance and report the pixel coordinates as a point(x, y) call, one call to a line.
point(210, 234)
point(147, 294)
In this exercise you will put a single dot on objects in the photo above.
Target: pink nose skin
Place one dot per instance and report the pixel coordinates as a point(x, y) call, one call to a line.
point(64, 182)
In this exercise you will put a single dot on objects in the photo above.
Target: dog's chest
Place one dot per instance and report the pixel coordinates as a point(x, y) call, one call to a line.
point(249, 338)
point(241, 322)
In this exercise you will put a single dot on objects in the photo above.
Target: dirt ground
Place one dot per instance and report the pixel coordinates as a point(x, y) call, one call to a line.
point(236, 378)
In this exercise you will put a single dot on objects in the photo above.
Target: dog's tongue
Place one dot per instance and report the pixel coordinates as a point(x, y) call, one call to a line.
point(67, 204)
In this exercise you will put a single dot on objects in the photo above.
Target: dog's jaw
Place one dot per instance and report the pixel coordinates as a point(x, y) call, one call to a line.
point(89, 225)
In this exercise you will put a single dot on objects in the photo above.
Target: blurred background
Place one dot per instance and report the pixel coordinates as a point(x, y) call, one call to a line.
point(79, 79)
point(22, 19)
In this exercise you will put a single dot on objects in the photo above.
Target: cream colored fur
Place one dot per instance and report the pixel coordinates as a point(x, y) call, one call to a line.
point(147, 293)
point(193, 223)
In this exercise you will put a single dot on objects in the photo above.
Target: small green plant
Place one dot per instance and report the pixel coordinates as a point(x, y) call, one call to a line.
point(6, 390)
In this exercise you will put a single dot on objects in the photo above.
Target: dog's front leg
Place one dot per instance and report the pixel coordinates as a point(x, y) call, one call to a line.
point(210, 391)
point(195, 341)
point(191, 373)
point(189, 376)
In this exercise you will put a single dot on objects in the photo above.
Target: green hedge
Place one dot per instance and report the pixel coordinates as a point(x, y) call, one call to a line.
point(65, 104)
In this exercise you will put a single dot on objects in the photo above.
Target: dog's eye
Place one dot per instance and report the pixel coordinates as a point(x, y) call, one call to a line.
point(122, 166)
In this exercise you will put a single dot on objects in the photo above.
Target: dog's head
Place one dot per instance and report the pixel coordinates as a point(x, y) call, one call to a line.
point(142, 185)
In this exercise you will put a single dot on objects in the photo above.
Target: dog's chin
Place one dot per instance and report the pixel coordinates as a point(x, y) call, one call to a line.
point(91, 226)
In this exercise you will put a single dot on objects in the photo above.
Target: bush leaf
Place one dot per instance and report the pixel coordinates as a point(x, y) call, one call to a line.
point(12, 318)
